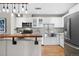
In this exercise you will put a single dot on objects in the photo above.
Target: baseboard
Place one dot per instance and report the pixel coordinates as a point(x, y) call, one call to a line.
point(61, 46)
point(50, 45)
point(42, 45)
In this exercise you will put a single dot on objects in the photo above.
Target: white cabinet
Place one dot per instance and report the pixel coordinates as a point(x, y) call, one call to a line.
point(37, 22)
point(50, 41)
point(61, 37)
point(14, 50)
point(62, 42)
point(24, 47)
point(30, 49)
point(2, 47)
point(57, 21)
point(34, 23)
point(19, 21)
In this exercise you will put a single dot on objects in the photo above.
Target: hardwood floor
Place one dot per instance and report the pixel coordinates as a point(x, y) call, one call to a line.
point(52, 50)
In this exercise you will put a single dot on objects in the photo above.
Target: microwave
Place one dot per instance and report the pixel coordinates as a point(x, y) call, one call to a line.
point(27, 25)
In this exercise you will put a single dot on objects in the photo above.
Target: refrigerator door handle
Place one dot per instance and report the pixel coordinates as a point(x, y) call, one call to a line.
point(72, 46)
point(70, 28)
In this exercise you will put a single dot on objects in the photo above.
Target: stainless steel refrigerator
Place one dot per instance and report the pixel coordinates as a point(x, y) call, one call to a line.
point(71, 34)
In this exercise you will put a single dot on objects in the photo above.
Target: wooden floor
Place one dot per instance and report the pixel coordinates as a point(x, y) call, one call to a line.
point(52, 51)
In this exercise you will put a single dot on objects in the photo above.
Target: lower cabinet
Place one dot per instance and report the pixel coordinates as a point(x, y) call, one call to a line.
point(51, 41)
point(24, 47)
point(14, 50)
point(2, 47)
point(61, 37)
point(62, 42)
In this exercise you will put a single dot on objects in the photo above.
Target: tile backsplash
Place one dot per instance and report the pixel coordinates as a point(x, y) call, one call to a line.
point(42, 30)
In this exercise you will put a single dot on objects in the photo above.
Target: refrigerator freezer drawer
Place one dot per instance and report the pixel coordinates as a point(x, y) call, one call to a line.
point(72, 46)
point(71, 50)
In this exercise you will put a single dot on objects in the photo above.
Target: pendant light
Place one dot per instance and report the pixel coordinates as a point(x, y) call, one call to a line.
point(18, 11)
point(0, 8)
point(23, 7)
point(7, 9)
point(3, 9)
point(14, 8)
point(26, 9)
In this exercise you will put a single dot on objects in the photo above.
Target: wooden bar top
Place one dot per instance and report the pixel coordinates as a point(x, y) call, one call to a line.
point(19, 35)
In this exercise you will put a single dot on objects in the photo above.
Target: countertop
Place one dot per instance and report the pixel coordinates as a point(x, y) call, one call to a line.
point(19, 35)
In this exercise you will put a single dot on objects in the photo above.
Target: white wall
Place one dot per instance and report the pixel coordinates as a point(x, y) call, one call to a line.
point(13, 24)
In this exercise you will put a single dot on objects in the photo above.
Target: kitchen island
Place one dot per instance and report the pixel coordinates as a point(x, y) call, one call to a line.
point(13, 36)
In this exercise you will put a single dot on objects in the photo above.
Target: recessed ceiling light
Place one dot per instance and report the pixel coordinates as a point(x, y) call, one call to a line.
point(38, 8)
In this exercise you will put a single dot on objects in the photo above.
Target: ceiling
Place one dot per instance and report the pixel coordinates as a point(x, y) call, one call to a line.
point(40, 8)
point(49, 8)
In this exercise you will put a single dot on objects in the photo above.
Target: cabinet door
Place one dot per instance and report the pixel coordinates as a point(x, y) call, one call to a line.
point(51, 41)
point(62, 42)
point(24, 47)
point(2, 47)
point(37, 22)
point(61, 38)
point(14, 50)
point(30, 49)
point(34, 22)
point(40, 22)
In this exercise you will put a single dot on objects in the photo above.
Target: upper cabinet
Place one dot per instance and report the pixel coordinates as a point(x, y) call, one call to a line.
point(40, 21)
point(57, 21)
point(37, 22)
point(21, 20)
